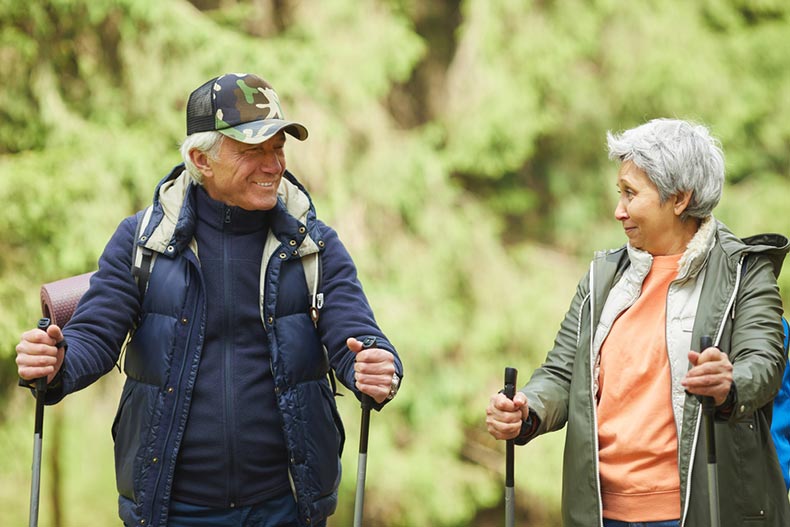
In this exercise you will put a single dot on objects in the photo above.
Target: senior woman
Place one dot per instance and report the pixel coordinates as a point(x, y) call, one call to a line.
point(626, 365)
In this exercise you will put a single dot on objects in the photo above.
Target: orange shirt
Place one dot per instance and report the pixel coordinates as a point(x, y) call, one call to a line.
point(637, 437)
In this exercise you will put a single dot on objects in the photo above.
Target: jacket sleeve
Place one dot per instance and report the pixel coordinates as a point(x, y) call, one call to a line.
point(104, 316)
point(346, 311)
point(756, 347)
point(548, 390)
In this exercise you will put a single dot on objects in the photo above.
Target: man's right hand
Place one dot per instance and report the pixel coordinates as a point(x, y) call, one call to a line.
point(37, 354)
point(504, 417)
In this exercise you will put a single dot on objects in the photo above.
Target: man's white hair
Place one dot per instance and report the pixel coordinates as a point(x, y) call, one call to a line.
point(206, 142)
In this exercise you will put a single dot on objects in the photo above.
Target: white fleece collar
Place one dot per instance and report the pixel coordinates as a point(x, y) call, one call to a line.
point(693, 258)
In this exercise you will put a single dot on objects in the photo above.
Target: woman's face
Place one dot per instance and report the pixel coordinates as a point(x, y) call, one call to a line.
point(650, 225)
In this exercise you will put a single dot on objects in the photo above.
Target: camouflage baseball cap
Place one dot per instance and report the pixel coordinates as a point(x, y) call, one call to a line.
point(242, 106)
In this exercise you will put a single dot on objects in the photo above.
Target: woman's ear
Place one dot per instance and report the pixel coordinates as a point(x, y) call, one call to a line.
point(682, 201)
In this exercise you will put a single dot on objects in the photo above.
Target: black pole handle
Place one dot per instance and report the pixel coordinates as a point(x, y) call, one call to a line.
point(367, 403)
point(41, 382)
point(509, 390)
point(708, 405)
point(709, 409)
point(511, 374)
point(367, 400)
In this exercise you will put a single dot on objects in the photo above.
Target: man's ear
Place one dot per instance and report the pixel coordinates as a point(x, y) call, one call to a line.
point(200, 160)
point(682, 201)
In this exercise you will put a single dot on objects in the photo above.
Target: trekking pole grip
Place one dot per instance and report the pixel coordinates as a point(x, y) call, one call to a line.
point(367, 400)
point(510, 382)
point(41, 382)
point(510, 506)
point(708, 408)
point(509, 390)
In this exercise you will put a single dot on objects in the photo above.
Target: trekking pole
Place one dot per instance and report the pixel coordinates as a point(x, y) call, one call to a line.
point(708, 411)
point(364, 429)
point(510, 504)
point(38, 431)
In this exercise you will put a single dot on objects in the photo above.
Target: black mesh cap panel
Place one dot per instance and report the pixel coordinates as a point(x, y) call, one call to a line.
point(200, 114)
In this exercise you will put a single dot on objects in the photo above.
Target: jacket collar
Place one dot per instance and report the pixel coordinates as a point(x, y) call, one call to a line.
point(693, 258)
point(173, 218)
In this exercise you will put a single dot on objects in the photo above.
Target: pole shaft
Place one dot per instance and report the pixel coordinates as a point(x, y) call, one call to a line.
point(359, 500)
point(35, 484)
point(510, 519)
point(709, 418)
point(362, 463)
point(713, 489)
point(509, 390)
point(40, 386)
point(509, 463)
point(38, 435)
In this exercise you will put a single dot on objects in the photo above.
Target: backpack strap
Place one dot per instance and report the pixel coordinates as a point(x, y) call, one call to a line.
point(143, 258)
point(311, 265)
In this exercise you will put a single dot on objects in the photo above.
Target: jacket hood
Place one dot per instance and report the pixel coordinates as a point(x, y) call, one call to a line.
point(771, 245)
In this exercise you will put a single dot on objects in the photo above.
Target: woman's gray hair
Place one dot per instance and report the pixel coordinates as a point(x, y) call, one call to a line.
point(206, 142)
point(677, 156)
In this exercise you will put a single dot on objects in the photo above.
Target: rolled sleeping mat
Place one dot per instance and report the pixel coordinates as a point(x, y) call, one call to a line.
point(59, 299)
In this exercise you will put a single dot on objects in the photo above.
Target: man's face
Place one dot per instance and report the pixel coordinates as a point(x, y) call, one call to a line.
point(244, 175)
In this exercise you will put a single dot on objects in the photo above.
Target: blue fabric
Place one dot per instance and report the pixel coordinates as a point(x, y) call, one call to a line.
point(234, 389)
point(616, 523)
point(780, 423)
point(277, 512)
point(164, 355)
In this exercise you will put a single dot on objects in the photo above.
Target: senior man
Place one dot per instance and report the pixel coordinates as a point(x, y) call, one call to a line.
point(240, 304)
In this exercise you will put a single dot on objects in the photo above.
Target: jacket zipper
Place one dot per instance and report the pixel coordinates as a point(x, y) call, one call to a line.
point(592, 394)
point(717, 340)
point(230, 417)
point(268, 328)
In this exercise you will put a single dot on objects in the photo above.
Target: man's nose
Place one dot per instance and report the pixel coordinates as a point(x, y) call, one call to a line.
point(270, 162)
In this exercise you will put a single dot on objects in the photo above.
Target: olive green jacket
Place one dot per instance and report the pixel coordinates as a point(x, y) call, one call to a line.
point(741, 309)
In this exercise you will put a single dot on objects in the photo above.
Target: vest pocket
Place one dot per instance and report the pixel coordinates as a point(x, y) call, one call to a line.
point(129, 429)
point(323, 439)
point(300, 356)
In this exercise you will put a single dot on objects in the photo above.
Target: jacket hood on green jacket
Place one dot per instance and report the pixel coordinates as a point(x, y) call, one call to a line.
point(773, 246)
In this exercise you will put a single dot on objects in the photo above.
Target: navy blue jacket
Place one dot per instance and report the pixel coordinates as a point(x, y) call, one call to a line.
point(164, 353)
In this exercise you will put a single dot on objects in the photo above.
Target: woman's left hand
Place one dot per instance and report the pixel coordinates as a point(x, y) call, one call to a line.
point(710, 375)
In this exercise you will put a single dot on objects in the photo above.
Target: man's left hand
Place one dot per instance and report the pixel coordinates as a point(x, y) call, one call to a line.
point(373, 370)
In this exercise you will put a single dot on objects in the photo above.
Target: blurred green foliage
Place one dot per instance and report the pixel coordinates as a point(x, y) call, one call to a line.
point(457, 146)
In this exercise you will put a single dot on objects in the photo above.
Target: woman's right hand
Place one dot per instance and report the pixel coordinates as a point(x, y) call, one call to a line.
point(37, 354)
point(504, 416)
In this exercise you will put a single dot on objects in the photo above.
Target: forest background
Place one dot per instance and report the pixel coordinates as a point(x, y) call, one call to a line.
point(457, 146)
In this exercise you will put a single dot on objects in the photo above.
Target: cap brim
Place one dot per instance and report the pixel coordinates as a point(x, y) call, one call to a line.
point(257, 132)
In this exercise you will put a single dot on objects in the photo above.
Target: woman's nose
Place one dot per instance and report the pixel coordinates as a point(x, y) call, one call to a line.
point(619, 211)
